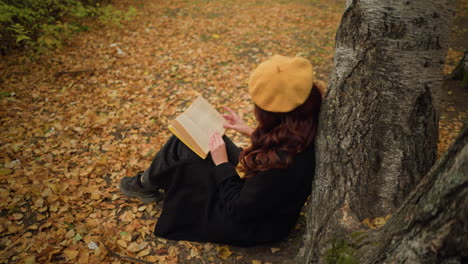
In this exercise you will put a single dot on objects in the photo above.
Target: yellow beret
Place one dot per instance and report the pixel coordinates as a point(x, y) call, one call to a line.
point(281, 83)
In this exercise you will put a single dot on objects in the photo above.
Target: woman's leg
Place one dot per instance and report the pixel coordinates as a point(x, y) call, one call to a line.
point(175, 151)
point(146, 186)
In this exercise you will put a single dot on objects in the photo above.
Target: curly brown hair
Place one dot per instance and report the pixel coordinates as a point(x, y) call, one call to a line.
point(288, 133)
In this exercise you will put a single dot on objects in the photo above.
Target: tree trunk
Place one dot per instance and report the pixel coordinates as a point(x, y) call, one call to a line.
point(432, 224)
point(378, 127)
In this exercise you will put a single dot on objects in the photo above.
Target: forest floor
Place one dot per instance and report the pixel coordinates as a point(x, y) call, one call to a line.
point(74, 122)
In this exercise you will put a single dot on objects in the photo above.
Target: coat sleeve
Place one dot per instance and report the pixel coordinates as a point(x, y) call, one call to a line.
point(252, 198)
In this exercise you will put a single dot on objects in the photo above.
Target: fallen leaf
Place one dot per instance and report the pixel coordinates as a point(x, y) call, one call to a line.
point(274, 250)
point(159, 259)
point(122, 243)
point(77, 237)
point(144, 252)
point(70, 254)
point(30, 260)
point(17, 216)
point(173, 251)
point(95, 196)
point(83, 257)
point(135, 246)
point(39, 203)
point(5, 171)
point(379, 221)
point(224, 252)
point(368, 223)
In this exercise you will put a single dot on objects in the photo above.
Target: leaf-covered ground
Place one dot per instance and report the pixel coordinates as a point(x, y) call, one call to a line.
point(76, 121)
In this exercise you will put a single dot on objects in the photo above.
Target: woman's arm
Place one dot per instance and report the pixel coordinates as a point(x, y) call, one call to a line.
point(251, 198)
point(236, 123)
point(244, 199)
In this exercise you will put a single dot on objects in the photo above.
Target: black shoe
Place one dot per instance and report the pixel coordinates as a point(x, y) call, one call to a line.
point(133, 188)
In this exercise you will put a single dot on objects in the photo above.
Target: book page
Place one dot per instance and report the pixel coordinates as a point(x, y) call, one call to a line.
point(201, 120)
point(185, 137)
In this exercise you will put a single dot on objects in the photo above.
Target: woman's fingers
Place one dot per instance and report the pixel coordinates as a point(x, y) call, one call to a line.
point(215, 140)
point(229, 118)
point(229, 110)
point(211, 141)
point(218, 138)
point(218, 149)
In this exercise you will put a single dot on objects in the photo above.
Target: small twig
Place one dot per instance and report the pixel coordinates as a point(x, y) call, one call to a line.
point(114, 254)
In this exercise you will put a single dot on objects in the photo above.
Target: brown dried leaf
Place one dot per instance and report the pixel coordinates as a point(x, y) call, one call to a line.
point(144, 252)
point(5, 171)
point(379, 221)
point(136, 246)
point(368, 223)
point(224, 252)
point(122, 243)
point(70, 254)
point(274, 250)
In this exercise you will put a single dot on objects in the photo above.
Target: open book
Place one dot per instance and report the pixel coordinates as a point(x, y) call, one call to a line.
point(196, 124)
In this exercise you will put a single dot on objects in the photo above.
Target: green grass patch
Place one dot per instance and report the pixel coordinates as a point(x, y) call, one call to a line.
point(46, 24)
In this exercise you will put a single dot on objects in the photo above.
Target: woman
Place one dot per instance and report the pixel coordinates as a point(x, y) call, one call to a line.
point(206, 200)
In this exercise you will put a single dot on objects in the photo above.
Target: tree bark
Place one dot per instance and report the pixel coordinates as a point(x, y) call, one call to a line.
point(378, 126)
point(432, 224)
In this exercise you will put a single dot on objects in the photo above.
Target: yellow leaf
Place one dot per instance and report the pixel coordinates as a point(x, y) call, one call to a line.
point(83, 258)
point(215, 36)
point(144, 252)
point(173, 251)
point(274, 250)
point(254, 261)
point(162, 240)
point(17, 216)
point(95, 196)
point(158, 259)
point(193, 253)
point(53, 187)
point(53, 252)
point(368, 223)
point(127, 237)
point(379, 222)
point(30, 260)
point(388, 217)
point(40, 217)
point(39, 203)
point(70, 254)
point(135, 247)
point(122, 243)
point(224, 252)
point(4, 171)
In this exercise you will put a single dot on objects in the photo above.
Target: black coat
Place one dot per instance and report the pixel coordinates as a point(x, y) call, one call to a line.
point(212, 203)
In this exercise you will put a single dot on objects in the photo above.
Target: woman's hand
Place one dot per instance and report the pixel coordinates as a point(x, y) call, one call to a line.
point(218, 149)
point(236, 123)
